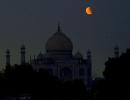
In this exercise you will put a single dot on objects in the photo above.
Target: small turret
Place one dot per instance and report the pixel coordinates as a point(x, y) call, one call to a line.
point(30, 60)
point(7, 57)
point(89, 68)
point(23, 54)
point(89, 54)
point(116, 51)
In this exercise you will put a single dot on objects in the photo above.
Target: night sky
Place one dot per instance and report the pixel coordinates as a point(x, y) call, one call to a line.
point(32, 22)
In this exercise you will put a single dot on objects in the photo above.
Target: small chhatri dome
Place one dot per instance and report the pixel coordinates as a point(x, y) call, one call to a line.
point(59, 42)
point(78, 55)
point(23, 46)
point(40, 56)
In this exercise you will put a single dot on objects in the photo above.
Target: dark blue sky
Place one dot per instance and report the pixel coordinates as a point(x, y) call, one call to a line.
point(32, 22)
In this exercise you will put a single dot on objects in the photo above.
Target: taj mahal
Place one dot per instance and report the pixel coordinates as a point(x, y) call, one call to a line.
point(59, 60)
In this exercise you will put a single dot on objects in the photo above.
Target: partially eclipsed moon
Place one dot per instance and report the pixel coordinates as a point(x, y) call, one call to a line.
point(89, 11)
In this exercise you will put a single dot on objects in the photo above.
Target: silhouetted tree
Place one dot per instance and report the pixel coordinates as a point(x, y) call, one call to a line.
point(118, 70)
point(116, 82)
point(22, 80)
point(117, 76)
point(74, 90)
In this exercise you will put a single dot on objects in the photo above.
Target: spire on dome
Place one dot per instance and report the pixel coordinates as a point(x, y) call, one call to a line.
point(59, 28)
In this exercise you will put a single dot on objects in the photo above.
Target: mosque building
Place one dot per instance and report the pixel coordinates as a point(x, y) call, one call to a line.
point(59, 59)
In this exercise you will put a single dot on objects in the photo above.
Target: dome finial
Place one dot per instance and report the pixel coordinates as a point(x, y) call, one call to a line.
point(59, 29)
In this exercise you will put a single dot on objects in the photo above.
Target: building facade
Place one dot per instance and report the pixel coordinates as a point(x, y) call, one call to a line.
point(60, 61)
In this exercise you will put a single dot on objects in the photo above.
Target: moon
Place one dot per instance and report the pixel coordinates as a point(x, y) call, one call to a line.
point(89, 11)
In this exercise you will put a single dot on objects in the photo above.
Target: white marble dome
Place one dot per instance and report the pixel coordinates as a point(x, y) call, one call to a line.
point(59, 42)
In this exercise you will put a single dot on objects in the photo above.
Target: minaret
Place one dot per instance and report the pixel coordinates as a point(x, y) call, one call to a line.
point(89, 54)
point(7, 57)
point(30, 59)
point(23, 54)
point(116, 52)
point(89, 68)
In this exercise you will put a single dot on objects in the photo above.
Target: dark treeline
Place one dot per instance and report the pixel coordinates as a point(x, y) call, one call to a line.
point(22, 80)
point(116, 82)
